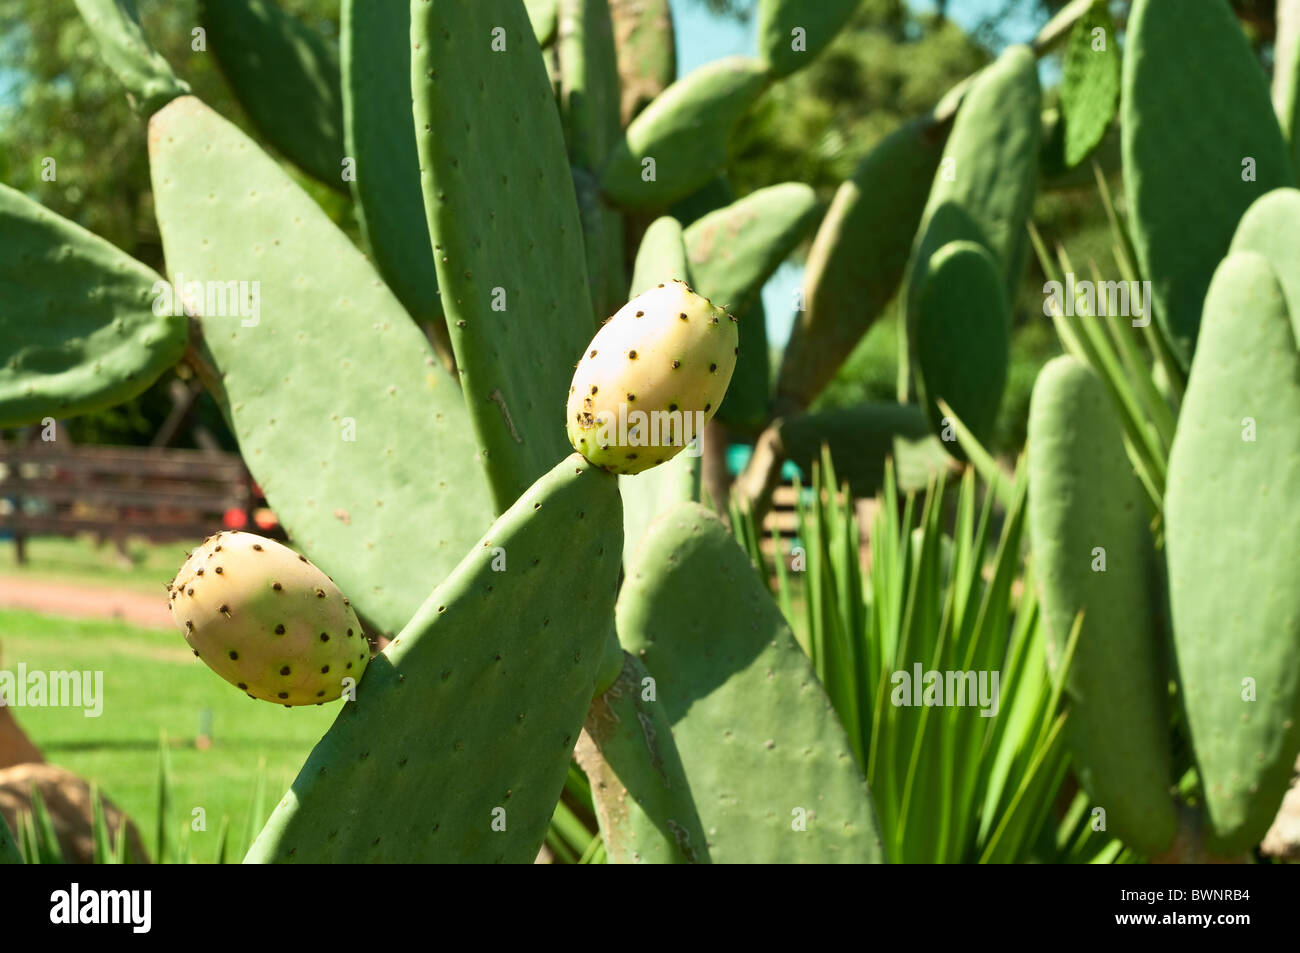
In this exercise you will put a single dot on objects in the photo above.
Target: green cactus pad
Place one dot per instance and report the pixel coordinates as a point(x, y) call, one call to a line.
point(733, 252)
point(1204, 119)
point(638, 784)
point(287, 78)
point(984, 189)
point(1271, 226)
point(149, 80)
point(962, 340)
point(589, 109)
point(77, 327)
point(661, 259)
point(471, 714)
point(858, 257)
point(1090, 84)
point(355, 433)
point(763, 746)
point(380, 136)
point(781, 47)
point(502, 213)
point(1083, 495)
point(647, 52)
point(685, 131)
point(1231, 517)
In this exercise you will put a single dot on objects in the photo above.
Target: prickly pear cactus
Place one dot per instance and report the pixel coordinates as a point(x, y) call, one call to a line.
point(962, 338)
point(767, 759)
point(984, 188)
point(1234, 479)
point(680, 141)
point(286, 77)
point(267, 621)
point(1094, 554)
point(638, 782)
point(1211, 120)
point(458, 743)
point(666, 357)
point(858, 257)
point(77, 328)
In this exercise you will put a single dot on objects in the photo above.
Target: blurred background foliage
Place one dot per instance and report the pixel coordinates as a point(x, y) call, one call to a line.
point(894, 61)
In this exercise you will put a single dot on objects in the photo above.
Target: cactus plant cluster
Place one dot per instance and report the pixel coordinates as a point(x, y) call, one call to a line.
point(516, 168)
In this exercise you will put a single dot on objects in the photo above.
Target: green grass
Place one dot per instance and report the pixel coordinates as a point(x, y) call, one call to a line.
point(150, 566)
point(153, 684)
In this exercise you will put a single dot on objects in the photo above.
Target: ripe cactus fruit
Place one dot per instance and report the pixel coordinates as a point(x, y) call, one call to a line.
point(651, 378)
point(267, 621)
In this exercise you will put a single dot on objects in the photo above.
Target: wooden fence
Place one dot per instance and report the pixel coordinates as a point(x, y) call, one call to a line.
point(118, 492)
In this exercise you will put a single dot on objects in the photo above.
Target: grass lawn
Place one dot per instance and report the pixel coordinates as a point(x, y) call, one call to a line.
point(52, 558)
point(153, 684)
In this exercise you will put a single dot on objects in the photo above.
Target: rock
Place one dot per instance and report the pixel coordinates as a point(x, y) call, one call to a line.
point(67, 799)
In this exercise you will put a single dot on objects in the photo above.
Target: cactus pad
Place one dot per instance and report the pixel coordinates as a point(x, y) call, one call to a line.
point(770, 766)
point(77, 325)
point(1234, 478)
point(487, 689)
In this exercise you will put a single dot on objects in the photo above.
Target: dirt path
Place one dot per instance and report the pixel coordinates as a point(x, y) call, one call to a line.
point(86, 602)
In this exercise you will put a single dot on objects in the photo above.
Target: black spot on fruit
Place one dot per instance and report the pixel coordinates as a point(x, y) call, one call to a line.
point(196, 653)
point(324, 669)
point(279, 629)
point(257, 547)
point(284, 670)
point(631, 355)
point(225, 611)
point(707, 408)
point(276, 586)
point(198, 572)
point(302, 558)
point(593, 353)
point(242, 687)
point(189, 592)
point(320, 593)
point(234, 656)
point(217, 570)
point(683, 316)
point(594, 389)
point(283, 695)
point(713, 368)
point(349, 664)
point(640, 314)
point(349, 633)
point(676, 364)
point(631, 397)
point(324, 637)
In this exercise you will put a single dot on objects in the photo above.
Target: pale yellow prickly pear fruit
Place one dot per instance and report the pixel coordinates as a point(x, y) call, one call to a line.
point(267, 621)
point(651, 378)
